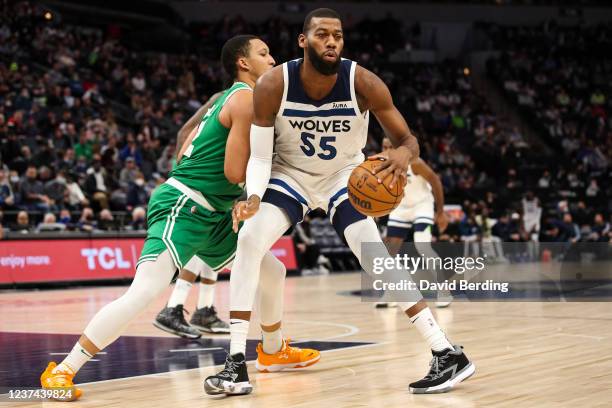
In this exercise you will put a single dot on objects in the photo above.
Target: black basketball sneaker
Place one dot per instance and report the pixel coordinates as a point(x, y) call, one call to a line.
point(172, 320)
point(206, 320)
point(232, 380)
point(448, 368)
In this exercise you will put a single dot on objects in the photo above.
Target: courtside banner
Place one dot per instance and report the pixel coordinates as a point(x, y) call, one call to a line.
point(30, 261)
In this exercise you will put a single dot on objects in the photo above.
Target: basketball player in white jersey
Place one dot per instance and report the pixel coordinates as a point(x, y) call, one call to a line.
point(422, 205)
point(318, 106)
point(532, 213)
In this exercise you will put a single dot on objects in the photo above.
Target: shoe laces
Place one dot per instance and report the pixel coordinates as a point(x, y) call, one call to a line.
point(179, 312)
point(291, 349)
point(230, 368)
point(435, 363)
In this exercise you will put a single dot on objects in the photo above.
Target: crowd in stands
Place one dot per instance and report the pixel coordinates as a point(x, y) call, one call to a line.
point(88, 123)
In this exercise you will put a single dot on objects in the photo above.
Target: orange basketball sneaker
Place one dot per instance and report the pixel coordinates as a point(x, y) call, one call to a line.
point(60, 381)
point(287, 357)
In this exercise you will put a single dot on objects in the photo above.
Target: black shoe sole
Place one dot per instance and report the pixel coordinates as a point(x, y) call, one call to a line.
point(175, 332)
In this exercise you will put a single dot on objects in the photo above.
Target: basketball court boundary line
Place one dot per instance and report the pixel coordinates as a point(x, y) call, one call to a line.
point(152, 375)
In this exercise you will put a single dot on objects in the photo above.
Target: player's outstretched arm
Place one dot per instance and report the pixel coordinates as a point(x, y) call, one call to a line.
point(374, 95)
point(240, 113)
point(266, 102)
point(419, 167)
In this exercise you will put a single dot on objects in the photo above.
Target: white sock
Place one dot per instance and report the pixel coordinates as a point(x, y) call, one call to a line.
point(180, 293)
point(272, 341)
point(75, 360)
point(206, 297)
point(239, 329)
point(429, 329)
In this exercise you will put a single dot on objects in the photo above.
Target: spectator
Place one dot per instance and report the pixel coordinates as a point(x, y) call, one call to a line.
point(139, 222)
point(66, 218)
point(137, 194)
point(469, 233)
point(7, 199)
point(569, 231)
point(138, 82)
point(131, 150)
point(502, 228)
point(593, 189)
point(166, 161)
point(600, 232)
point(128, 173)
point(50, 224)
point(75, 197)
point(87, 222)
point(106, 221)
point(32, 192)
point(23, 223)
point(517, 232)
point(98, 184)
point(544, 181)
point(84, 148)
point(56, 189)
point(308, 250)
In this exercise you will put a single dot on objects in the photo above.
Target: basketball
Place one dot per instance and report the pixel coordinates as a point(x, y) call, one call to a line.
point(370, 197)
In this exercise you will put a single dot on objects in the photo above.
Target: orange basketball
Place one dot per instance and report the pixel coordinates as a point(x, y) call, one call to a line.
point(370, 197)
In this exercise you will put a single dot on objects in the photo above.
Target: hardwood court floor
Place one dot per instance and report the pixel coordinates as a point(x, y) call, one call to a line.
point(527, 354)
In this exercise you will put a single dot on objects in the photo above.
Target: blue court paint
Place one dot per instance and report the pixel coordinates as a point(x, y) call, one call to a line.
point(24, 356)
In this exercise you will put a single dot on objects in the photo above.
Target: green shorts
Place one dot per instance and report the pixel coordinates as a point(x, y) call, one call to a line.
point(184, 227)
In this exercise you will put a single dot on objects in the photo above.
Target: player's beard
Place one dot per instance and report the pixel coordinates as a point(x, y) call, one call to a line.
point(322, 66)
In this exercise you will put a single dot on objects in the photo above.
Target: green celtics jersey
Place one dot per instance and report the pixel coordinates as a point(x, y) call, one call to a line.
point(201, 167)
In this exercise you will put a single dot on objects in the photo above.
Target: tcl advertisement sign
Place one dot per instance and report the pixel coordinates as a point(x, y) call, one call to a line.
point(25, 261)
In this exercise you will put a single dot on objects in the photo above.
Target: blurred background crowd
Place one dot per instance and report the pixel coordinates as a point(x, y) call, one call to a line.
point(88, 119)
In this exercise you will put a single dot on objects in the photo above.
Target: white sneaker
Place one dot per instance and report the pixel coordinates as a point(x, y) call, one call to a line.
point(445, 298)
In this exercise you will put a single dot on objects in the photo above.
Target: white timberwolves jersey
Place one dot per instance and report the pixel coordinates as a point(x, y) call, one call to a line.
point(531, 209)
point(417, 190)
point(319, 138)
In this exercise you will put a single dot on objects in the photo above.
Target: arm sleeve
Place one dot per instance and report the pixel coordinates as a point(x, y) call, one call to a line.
point(260, 162)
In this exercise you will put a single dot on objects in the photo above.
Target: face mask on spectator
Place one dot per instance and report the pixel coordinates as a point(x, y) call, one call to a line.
point(14, 179)
point(139, 182)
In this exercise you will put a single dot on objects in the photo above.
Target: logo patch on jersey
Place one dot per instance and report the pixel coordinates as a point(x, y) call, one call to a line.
point(336, 105)
point(321, 125)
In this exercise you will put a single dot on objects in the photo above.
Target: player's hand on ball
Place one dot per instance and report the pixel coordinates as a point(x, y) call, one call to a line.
point(243, 210)
point(441, 221)
point(392, 161)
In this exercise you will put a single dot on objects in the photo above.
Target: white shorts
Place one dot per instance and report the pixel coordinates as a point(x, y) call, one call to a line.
point(404, 216)
point(531, 222)
point(297, 193)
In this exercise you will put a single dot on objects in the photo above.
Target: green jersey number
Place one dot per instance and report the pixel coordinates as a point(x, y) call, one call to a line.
point(208, 114)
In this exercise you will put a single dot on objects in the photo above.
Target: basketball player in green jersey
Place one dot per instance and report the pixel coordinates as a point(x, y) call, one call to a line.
point(188, 215)
point(171, 318)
